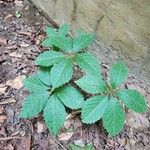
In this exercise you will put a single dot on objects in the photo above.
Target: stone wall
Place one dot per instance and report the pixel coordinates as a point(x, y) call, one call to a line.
point(122, 28)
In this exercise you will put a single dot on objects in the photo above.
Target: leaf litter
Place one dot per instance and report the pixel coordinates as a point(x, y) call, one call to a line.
point(12, 94)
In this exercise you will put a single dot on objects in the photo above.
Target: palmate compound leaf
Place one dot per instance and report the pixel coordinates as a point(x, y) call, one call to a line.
point(88, 63)
point(92, 84)
point(114, 117)
point(118, 74)
point(82, 41)
point(133, 100)
point(34, 84)
point(63, 30)
point(49, 58)
point(34, 104)
point(61, 73)
point(54, 114)
point(94, 108)
point(71, 97)
point(44, 75)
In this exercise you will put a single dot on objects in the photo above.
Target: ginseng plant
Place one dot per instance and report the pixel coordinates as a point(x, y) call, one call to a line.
point(109, 99)
point(49, 91)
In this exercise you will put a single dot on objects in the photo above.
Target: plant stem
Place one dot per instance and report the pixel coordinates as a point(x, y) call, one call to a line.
point(52, 90)
point(73, 114)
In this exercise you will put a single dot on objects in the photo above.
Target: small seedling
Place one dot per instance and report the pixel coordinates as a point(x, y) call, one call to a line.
point(71, 53)
point(48, 92)
point(18, 14)
point(108, 102)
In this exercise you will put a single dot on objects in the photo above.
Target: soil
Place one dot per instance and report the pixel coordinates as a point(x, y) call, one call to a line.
point(20, 39)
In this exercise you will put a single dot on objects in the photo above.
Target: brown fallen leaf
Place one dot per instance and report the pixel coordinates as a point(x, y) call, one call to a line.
point(8, 16)
point(8, 101)
point(40, 127)
point(1, 2)
point(18, 3)
point(24, 33)
point(2, 85)
point(3, 40)
point(24, 45)
point(2, 119)
point(27, 7)
point(10, 138)
point(25, 144)
point(39, 39)
point(3, 131)
point(75, 121)
point(10, 147)
point(15, 54)
point(1, 110)
point(2, 90)
point(138, 122)
point(12, 47)
point(17, 82)
point(28, 142)
point(65, 136)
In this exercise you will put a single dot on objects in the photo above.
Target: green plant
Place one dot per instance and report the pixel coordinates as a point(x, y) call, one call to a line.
point(106, 103)
point(18, 14)
point(51, 91)
point(48, 90)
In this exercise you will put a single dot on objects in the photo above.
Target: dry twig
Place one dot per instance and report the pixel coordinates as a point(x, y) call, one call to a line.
point(10, 138)
point(64, 148)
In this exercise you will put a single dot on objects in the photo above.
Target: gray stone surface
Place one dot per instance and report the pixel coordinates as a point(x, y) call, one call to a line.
point(122, 28)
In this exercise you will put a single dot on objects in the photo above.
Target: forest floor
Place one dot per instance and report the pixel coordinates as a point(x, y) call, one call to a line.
point(21, 32)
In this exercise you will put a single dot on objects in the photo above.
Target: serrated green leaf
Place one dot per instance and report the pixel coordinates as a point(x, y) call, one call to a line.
point(118, 74)
point(114, 117)
point(34, 84)
point(88, 63)
point(64, 43)
point(71, 97)
point(34, 104)
point(44, 75)
point(47, 42)
point(94, 108)
point(54, 114)
point(50, 32)
point(82, 41)
point(63, 30)
point(61, 73)
point(92, 84)
point(49, 58)
point(133, 100)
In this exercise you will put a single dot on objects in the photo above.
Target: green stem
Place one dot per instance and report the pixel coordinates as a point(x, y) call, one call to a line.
point(52, 90)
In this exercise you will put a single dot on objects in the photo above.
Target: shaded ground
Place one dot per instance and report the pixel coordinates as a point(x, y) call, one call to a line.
point(19, 45)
